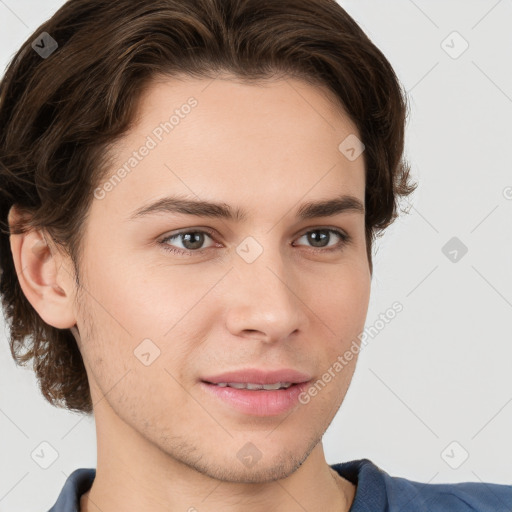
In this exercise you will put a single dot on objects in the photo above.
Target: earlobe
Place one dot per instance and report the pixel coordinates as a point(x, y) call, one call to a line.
point(46, 283)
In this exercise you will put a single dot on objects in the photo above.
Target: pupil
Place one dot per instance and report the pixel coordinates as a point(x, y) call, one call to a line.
point(199, 238)
point(313, 239)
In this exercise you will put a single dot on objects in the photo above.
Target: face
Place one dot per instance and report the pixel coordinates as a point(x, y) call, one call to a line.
point(171, 299)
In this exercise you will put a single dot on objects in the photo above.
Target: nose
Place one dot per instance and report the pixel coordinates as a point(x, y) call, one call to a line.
point(265, 301)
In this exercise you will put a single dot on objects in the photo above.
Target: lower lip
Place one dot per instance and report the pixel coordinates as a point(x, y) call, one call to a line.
point(258, 402)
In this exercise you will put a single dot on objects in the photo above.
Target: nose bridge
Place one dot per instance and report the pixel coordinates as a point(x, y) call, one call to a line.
point(264, 258)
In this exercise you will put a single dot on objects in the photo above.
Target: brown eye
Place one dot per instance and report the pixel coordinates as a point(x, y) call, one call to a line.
point(319, 239)
point(192, 241)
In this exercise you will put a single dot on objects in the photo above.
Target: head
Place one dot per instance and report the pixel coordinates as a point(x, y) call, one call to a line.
point(247, 104)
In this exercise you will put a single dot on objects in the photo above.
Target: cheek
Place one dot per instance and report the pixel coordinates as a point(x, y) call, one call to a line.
point(342, 303)
point(135, 298)
point(143, 314)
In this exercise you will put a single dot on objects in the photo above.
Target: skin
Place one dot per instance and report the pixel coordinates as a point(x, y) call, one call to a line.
point(163, 443)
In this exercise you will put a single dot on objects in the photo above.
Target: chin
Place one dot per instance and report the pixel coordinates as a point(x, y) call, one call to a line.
point(256, 461)
point(262, 472)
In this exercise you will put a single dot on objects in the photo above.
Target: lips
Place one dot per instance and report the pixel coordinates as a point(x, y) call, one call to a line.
point(238, 390)
point(259, 376)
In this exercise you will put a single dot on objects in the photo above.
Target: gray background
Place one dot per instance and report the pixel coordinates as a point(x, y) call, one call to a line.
point(434, 385)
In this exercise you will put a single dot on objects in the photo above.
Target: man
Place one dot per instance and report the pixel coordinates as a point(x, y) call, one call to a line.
point(192, 189)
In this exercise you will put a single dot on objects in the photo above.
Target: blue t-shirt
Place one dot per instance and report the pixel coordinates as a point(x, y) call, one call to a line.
point(376, 491)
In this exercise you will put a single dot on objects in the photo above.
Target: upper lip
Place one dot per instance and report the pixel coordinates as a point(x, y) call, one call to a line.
point(256, 376)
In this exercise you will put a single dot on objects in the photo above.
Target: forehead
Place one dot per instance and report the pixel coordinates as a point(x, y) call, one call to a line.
point(221, 139)
point(264, 103)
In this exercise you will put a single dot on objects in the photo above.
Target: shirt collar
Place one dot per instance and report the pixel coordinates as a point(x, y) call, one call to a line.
point(371, 494)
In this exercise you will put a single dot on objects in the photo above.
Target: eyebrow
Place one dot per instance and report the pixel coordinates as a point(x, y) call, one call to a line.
point(309, 210)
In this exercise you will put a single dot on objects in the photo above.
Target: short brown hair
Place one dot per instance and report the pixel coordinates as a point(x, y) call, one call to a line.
point(59, 116)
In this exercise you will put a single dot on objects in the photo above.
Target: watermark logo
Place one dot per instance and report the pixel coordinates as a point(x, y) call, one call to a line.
point(249, 249)
point(146, 352)
point(352, 147)
point(44, 455)
point(454, 249)
point(454, 45)
point(455, 455)
point(249, 455)
point(44, 45)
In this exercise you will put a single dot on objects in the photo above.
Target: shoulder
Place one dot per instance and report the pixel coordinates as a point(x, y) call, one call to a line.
point(463, 497)
point(377, 490)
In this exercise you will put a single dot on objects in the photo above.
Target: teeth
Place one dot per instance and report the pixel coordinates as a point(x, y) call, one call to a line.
point(249, 385)
point(237, 385)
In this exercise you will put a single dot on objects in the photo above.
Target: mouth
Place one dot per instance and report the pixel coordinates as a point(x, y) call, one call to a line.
point(253, 386)
point(258, 378)
point(257, 391)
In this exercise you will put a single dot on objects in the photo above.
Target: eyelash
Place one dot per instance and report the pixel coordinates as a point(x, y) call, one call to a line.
point(345, 239)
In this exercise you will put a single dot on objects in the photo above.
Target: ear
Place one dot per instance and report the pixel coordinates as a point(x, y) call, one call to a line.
point(45, 276)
